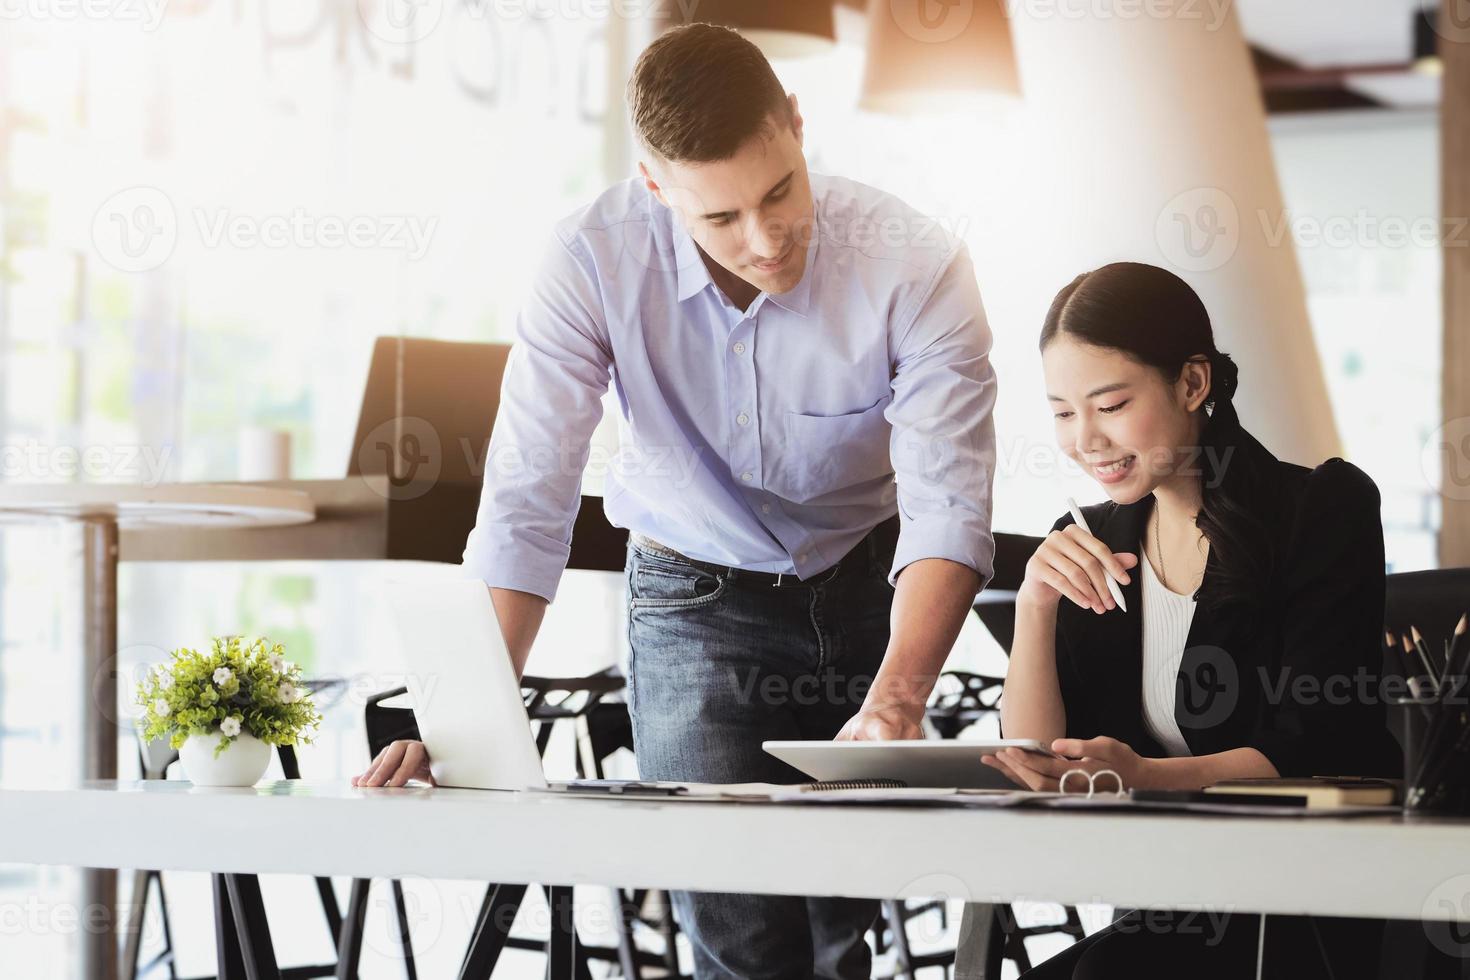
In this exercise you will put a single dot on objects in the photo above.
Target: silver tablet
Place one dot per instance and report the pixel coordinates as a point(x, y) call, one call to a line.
point(937, 764)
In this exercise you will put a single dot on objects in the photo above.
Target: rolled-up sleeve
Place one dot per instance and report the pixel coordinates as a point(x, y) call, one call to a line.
point(943, 435)
point(550, 402)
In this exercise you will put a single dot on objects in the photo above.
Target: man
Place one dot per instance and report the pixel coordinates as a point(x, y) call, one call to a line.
point(782, 346)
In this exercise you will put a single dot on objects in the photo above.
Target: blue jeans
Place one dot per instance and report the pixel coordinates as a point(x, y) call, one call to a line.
point(718, 666)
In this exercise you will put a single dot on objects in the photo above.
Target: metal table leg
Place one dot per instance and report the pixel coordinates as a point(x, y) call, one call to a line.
point(99, 724)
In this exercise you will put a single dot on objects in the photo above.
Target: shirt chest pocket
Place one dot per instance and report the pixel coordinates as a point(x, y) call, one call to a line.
point(826, 454)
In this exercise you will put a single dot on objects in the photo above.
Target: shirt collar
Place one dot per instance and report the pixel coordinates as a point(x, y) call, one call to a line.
point(694, 276)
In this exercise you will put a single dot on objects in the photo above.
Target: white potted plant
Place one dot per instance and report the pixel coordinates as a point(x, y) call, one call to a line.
point(223, 710)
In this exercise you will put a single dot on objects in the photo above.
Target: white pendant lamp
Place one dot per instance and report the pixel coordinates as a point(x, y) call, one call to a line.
point(927, 55)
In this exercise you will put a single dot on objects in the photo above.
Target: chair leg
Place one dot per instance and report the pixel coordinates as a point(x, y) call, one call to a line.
point(349, 937)
point(893, 912)
point(491, 931)
point(977, 941)
point(330, 910)
point(230, 962)
point(133, 924)
point(561, 947)
point(251, 928)
point(168, 932)
point(405, 939)
point(671, 935)
point(625, 914)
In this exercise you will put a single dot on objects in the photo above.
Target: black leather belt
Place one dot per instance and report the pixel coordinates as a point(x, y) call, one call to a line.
point(877, 545)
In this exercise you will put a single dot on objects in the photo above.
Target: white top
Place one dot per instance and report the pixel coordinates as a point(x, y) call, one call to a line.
point(1166, 619)
point(140, 506)
point(1291, 865)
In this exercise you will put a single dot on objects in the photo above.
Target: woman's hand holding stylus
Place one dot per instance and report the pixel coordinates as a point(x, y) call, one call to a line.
point(1071, 563)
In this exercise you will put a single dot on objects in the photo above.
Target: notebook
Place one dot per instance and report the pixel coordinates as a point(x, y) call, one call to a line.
point(1318, 791)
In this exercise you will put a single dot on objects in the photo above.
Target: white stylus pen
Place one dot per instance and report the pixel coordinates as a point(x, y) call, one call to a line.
point(1113, 589)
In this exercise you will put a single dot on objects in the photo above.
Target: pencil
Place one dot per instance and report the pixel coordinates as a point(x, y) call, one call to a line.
point(1113, 589)
point(1417, 646)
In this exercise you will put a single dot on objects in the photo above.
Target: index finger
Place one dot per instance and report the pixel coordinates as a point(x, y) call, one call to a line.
point(1077, 748)
point(1100, 551)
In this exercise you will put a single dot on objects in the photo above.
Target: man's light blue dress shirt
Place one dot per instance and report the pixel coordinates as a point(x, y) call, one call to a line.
point(772, 438)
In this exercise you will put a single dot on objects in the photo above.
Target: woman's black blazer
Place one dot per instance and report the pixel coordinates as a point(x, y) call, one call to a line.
point(1296, 676)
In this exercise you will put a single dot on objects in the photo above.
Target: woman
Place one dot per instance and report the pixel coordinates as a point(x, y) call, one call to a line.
point(1254, 606)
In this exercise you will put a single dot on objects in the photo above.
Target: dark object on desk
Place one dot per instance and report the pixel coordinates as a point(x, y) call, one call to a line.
point(1318, 791)
point(1201, 796)
point(1437, 744)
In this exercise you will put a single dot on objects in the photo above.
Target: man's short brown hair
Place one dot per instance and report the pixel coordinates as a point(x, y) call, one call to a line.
point(699, 92)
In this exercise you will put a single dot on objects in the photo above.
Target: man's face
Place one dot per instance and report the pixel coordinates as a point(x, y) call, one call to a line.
point(751, 214)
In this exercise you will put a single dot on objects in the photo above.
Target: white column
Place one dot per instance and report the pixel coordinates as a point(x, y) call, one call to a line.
point(1152, 144)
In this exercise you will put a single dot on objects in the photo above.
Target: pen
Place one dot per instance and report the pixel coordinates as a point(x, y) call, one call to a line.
point(1113, 589)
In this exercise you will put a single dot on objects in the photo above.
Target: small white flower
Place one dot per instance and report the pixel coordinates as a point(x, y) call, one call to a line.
point(160, 707)
point(222, 675)
point(230, 726)
point(165, 679)
point(277, 662)
point(287, 693)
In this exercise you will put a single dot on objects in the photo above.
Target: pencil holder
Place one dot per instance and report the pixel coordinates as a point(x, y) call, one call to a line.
point(1436, 744)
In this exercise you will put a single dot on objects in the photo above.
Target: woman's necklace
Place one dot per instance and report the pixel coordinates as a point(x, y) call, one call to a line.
point(1159, 549)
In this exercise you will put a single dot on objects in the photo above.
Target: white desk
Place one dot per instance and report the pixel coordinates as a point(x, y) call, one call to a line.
point(100, 510)
point(1418, 869)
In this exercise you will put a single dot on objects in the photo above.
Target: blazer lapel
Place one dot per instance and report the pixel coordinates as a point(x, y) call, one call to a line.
point(1121, 633)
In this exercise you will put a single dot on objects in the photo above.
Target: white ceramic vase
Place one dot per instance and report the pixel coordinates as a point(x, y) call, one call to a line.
point(242, 763)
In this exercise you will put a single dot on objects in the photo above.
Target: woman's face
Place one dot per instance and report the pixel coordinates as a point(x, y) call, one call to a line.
point(1120, 420)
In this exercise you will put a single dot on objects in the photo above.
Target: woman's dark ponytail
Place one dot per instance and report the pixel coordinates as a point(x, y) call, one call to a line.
point(1154, 317)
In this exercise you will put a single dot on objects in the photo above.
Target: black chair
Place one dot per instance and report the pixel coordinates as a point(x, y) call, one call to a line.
point(602, 727)
point(236, 895)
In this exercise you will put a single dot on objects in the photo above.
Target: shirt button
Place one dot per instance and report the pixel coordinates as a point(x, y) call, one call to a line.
point(765, 508)
point(739, 348)
point(742, 419)
point(801, 557)
point(746, 476)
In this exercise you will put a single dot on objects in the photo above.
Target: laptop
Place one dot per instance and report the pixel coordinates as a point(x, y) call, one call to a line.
point(466, 697)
